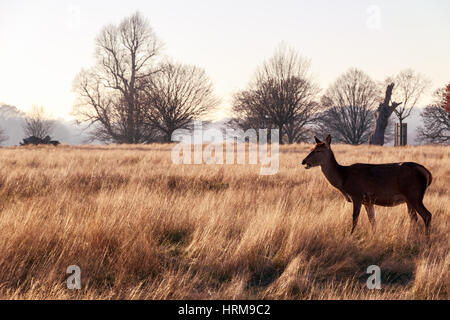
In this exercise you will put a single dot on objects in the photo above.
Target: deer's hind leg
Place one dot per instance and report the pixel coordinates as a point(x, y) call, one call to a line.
point(356, 211)
point(426, 216)
point(412, 213)
point(371, 214)
point(413, 216)
point(418, 206)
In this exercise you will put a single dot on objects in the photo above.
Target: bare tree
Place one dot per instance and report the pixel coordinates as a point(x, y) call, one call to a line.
point(298, 127)
point(436, 119)
point(178, 95)
point(110, 94)
point(248, 114)
point(349, 107)
point(37, 123)
point(282, 95)
point(409, 87)
point(247, 111)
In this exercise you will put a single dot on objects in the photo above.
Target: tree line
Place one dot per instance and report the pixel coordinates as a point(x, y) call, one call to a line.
point(132, 95)
point(129, 96)
point(354, 109)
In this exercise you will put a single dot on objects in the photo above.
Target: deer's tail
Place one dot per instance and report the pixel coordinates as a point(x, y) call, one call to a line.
point(426, 173)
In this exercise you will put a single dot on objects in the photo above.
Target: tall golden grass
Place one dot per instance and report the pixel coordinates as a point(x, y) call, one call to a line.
point(141, 227)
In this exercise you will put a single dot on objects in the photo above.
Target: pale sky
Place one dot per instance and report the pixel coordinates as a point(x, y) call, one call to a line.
point(44, 44)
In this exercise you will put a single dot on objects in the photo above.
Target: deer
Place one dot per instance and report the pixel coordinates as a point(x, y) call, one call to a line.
point(387, 185)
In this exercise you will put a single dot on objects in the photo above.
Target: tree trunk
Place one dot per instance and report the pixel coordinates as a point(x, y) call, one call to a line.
point(280, 132)
point(402, 143)
point(382, 115)
point(168, 136)
point(290, 135)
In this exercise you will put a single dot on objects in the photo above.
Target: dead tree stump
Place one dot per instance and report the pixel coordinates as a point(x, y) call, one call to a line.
point(382, 115)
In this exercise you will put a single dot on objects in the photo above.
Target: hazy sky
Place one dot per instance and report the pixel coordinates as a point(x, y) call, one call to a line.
point(43, 44)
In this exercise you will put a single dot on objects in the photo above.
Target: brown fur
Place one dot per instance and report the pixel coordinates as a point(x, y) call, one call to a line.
point(374, 184)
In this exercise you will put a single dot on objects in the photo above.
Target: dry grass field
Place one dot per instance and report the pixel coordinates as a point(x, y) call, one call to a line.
point(141, 227)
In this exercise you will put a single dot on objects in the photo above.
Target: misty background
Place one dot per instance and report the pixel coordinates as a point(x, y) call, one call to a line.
point(71, 133)
point(12, 122)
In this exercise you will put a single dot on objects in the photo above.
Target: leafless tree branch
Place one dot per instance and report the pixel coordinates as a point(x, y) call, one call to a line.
point(178, 95)
point(38, 124)
point(110, 94)
point(436, 119)
point(349, 105)
point(282, 95)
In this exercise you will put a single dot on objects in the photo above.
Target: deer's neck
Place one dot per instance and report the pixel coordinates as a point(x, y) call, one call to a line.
point(333, 172)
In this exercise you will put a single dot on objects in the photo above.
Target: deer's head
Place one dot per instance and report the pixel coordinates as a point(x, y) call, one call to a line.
point(319, 154)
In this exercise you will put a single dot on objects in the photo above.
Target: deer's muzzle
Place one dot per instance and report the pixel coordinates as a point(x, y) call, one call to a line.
point(307, 165)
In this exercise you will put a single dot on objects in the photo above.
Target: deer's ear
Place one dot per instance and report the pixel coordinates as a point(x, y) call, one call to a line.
point(317, 140)
point(328, 140)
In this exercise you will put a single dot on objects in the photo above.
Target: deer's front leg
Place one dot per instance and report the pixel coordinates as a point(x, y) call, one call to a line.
point(356, 211)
